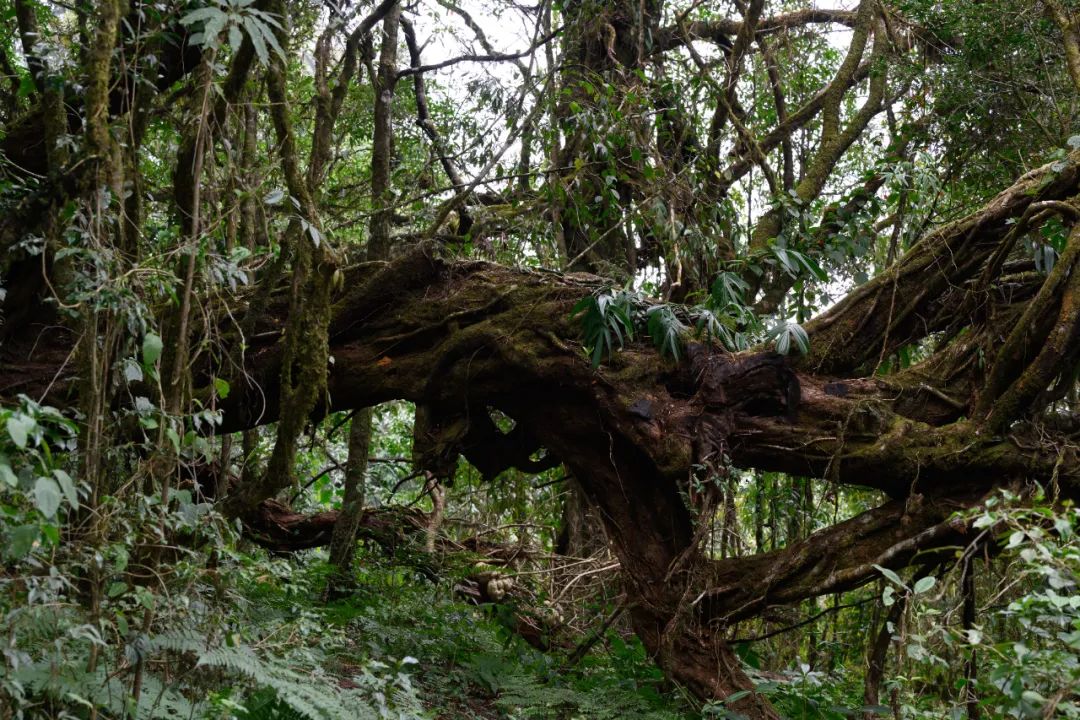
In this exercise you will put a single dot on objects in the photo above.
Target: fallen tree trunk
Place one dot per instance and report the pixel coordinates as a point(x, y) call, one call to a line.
point(462, 339)
point(277, 527)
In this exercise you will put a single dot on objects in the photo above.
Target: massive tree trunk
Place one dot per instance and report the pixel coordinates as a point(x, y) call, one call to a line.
point(465, 338)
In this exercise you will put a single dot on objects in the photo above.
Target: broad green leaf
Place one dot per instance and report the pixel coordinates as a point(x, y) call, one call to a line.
point(785, 334)
point(800, 337)
point(313, 233)
point(271, 39)
point(7, 475)
point(151, 348)
point(924, 584)
point(19, 427)
point(1032, 701)
point(890, 576)
point(68, 486)
point(266, 18)
point(50, 533)
point(597, 355)
point(132, 371)
point(213, 29)
point(200, 15)
point(735, 696)
point(254, 31)
point(235, 36)
point(47, 496)
point(21, 541)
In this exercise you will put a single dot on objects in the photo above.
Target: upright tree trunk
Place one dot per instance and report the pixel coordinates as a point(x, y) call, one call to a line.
point(343, 542)
point(879, 651)
point(580, 532)
point(603, 54)
point(967, 582)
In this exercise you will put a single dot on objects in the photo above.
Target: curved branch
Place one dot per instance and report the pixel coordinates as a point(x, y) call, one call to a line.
point(1061, 342)
point(859, 328)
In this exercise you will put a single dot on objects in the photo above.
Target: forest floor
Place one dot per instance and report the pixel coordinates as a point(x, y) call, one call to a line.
point(466, 662)
point(441, 657)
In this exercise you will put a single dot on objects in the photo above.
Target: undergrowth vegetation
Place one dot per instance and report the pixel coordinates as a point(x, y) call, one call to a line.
point(251, 637)
point(239, 633)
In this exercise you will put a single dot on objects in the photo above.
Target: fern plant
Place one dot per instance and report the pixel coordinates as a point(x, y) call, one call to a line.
point(68, 683)
point(290, 687)
point(299, 685)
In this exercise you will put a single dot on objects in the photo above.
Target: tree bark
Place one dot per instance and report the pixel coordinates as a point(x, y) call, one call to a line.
point(879, 651)
point(343, 541)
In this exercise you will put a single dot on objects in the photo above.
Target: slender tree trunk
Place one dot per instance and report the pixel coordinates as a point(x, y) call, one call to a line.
point(580, 531)
point(435, 488)
point(759, 513)
point(731, 540)
point(879, 651)
point(967, 582)
point(343, 542)
point(97, 347)
point(382, 150)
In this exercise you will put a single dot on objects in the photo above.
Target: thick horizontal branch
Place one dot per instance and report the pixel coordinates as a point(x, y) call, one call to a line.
point(275, 526)
point(837, 558)
point(462, 337)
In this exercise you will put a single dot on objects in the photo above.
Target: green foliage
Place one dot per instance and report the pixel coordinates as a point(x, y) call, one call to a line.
point(64, 656)
point(621, 683)
point(468, 657)
point(607, 321)
point(1035, 674)
point(788, 336)
point(235, 18)
point(796, 263)
point(610, 319)
point(665, 329)
point(1025, 637)
point(36, 492)
point(229, 648)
